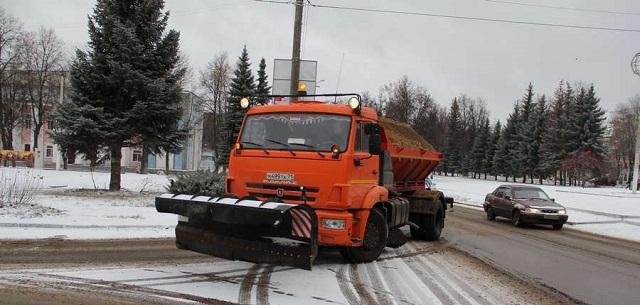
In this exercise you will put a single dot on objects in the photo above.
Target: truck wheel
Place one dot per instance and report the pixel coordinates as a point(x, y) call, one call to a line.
point(430, 226)
point(375, 240)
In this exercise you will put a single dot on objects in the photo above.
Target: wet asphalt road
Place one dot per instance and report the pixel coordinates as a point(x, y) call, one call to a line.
point(586, 268)
point(591, 269)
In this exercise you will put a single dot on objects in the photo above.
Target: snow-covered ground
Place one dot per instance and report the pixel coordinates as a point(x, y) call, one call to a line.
point(66, 206)
point(605, 210)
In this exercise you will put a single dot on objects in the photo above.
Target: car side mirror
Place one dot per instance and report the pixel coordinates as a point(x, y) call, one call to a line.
point(507, 197)
point(553, 199)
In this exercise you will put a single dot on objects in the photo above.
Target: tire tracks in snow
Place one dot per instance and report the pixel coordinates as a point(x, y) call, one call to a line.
point(259, 276)
point(264, 282)
point(246, 286)
point(65, 282)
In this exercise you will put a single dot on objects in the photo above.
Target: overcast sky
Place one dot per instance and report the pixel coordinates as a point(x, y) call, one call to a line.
point(494, 61)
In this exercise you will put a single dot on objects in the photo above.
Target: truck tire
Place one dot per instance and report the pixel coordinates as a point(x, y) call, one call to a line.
point(375, 240)
point(430, 225)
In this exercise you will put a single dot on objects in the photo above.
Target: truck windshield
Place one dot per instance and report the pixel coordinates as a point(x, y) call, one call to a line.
point(296, 131)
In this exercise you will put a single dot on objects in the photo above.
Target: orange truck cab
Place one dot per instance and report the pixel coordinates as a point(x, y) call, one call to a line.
point(309, 174)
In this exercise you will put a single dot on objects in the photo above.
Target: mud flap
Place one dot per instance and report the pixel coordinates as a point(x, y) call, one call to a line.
point(245, 229)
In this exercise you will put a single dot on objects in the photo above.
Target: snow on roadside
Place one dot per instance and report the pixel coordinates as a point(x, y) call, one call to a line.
point(52, 179)
point(68, 207)
point(607, 211)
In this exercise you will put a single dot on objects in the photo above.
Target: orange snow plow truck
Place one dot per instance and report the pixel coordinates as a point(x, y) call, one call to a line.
point(308, 174)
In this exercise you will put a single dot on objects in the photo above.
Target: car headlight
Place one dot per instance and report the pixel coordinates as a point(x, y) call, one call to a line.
point(562, 212)
point(532, 210)
point(334, 224)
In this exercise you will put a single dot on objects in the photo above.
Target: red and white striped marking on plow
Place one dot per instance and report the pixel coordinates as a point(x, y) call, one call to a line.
point(300, 223)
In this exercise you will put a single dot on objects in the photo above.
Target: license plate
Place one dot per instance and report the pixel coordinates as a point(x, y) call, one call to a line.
point(551, 217)
point(183, 218)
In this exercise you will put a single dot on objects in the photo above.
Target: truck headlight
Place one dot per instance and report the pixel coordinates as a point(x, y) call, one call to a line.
point(532, 210)
point(334, 224)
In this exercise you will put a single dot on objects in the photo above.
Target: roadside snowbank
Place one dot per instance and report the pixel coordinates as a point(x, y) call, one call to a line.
point(67, 206)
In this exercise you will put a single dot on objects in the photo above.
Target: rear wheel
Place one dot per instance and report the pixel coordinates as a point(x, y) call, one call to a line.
point(430, 225)
point(516, 219)
point(375, 240)
point(491, 214)
point(558, 226)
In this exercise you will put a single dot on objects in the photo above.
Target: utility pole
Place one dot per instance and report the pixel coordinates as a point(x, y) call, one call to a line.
point(635, 67)
point(295, 57)
point(636, 158)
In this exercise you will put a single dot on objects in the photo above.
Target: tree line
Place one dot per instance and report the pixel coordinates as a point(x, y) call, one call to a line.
point(562, 138)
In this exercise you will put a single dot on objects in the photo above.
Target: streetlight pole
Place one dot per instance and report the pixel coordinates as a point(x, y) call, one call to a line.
point(295, 57)
point(635, 67)
point(636, 158)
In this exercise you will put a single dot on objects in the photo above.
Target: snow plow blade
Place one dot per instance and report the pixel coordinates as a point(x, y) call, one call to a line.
point(245, 229)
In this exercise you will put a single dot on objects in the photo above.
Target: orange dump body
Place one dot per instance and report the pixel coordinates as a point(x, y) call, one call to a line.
point(412, 158)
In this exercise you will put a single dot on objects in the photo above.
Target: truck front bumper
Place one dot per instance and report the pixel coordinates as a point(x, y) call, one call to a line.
point(245, 229)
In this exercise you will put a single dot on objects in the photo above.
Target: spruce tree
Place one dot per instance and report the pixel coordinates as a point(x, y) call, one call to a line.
point(242, 85)
point(552, 147)
point(451, 162)
point(588, 124)
point(537, 125)
point(480, 147)
point(524, 135)
point(491, 151)
point(262, 87)
point(126, 85)
point(504, 160)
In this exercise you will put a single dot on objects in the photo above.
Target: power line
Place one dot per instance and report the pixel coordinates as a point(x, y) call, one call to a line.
point(584, 27)
point(564, 8)
point(424, 14)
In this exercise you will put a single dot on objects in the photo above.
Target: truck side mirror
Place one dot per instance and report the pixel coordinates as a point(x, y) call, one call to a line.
point(373, 131)
point(374, 144)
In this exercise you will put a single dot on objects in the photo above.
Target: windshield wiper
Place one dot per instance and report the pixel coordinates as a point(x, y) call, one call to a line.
point(283, 144)
point(255, 144)
point(310, 146)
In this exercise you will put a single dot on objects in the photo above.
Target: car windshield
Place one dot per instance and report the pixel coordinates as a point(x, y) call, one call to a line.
point(529, 194)
point(296, 131)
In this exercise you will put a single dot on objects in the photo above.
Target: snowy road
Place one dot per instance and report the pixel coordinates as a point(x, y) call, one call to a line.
point(417, 273)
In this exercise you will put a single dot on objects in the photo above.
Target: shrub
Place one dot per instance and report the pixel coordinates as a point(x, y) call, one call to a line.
point(18, 187)
point(206, 183)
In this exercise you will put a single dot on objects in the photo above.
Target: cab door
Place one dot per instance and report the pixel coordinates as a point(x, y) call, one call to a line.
point(364, 166)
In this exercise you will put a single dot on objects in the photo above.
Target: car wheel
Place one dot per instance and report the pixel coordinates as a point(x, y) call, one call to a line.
point(558, 226)
point(491, 214)
point(516, 218)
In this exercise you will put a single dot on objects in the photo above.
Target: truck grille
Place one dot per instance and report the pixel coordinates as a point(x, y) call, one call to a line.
point(286, 192)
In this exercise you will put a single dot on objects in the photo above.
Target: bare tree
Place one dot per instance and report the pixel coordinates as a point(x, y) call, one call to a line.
point(214, 82)
point(403, 98)
point(43, 57)
point(11, 103)
point(622, 139)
